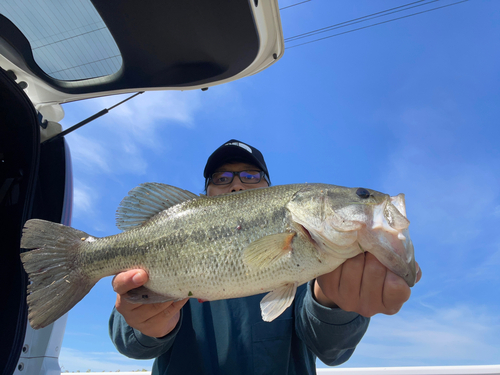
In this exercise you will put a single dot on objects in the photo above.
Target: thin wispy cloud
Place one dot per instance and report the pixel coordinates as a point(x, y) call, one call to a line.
point(89, 154)
point(87, 206)
point(120, 143)
point(450, 205)
point(446, 336)
point(83, 199)
point(154, 105)
point(488, 270)
point(453, 195)
point(451, 202)
point(496, 211)
point(141, 118)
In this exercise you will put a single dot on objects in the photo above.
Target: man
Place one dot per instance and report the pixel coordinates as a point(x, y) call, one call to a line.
point(327, 319)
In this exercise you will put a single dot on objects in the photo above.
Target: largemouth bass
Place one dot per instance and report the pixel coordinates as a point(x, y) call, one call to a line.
point(260, 240)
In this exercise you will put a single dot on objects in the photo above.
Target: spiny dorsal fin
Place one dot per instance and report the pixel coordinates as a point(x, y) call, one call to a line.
point(146, 201)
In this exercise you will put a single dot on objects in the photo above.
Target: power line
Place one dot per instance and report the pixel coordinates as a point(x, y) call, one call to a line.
point(294, 5)
point(359, 19)
point(376, 24)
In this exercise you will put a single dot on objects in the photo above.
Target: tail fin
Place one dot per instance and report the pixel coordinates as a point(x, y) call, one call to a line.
point(56, 284)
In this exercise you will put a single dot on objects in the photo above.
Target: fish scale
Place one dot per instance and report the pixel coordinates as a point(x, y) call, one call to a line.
point(259, 240)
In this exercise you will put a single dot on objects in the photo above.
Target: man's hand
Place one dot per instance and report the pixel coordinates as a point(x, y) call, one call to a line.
point(156, 319)
point(364, 285)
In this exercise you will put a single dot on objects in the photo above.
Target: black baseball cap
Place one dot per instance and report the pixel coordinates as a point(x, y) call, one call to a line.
point(235, 150)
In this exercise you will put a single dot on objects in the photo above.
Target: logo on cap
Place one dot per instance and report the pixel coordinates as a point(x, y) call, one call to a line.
point(242, 145)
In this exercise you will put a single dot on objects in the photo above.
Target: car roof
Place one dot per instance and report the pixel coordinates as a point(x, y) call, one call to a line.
point(101, 47)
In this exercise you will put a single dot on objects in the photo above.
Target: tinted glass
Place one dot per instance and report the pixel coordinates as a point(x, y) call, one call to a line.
point(68, 38)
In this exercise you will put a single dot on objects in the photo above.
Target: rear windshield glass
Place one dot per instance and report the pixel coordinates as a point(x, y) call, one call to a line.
point(68, 38)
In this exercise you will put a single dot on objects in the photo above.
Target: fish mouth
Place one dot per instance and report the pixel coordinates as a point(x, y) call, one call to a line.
point(389, 238)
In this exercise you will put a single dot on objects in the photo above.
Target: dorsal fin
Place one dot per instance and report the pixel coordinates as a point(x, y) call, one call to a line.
point(146, 201)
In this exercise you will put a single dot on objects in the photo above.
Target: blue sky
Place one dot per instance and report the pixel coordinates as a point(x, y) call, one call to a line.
point(409, 106)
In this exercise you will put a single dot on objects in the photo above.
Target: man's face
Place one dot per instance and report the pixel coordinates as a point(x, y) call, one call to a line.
point(236, 185)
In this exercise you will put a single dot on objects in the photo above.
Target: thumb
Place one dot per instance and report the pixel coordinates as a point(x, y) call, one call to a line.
point(125, 281)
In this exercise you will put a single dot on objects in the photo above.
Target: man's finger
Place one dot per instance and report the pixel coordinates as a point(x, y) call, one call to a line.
point(372, 286)
point(125, 281)
point(161, 318)
point(350, 282)
point(141, 313)
point(396, 293)
point(173, 308)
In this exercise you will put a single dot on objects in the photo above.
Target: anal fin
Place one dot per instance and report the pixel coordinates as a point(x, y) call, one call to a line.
point(276, 302)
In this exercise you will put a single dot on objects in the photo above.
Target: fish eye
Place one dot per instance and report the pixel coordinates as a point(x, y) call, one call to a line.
point(363, 193)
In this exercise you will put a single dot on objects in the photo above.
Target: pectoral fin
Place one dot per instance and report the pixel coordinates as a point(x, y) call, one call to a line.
point(267, 250)
point(144, 295)
point(277, 301)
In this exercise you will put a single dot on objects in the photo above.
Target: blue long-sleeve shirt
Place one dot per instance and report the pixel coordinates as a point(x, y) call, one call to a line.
point(229, 337)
